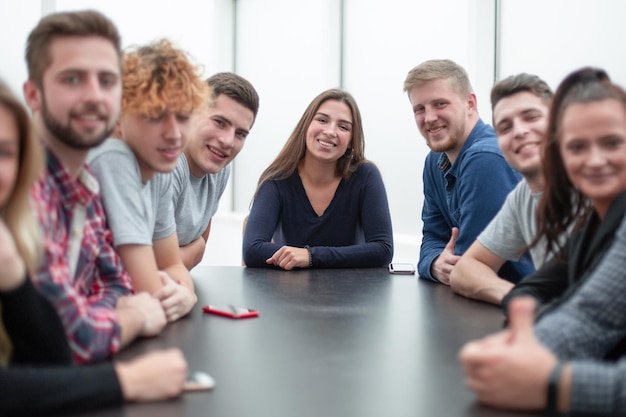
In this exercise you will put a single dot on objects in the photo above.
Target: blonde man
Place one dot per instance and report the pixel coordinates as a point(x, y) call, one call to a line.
point(466, 178)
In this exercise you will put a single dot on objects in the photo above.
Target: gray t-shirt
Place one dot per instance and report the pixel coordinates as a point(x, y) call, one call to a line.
point(195, 199)
point(515, 226)
point(137, 213)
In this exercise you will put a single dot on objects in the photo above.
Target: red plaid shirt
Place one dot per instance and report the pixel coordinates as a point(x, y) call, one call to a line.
point(82, 274)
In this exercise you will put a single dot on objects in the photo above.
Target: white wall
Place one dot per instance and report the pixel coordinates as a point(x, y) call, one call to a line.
point(16, 21)
point(553, 38)
point(378, 58)
point(290, 50)
point(203, 28)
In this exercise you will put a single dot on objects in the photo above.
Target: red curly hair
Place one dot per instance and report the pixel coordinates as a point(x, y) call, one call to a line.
point(159, 77)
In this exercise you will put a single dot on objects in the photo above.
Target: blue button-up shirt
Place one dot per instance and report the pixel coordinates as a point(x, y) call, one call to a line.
point(467, 195)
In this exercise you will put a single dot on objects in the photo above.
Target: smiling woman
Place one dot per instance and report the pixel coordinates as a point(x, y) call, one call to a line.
point(563, 359)
point(593, 142)
point(584, 169)
point(321, 203)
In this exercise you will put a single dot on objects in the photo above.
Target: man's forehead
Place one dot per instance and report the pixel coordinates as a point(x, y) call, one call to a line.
point(430, 90)
point(229, 107)
point(518, 103)
point(89, 54)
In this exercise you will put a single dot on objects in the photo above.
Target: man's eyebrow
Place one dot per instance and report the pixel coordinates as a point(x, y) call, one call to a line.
point(523, 112)
point(82, 71)
point(503, 120)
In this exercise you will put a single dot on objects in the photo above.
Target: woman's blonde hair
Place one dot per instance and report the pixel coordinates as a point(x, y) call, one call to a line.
point(16, 211)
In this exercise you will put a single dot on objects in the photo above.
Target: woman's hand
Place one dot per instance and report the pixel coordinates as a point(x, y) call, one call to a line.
point(289, 257)
point(13, 270)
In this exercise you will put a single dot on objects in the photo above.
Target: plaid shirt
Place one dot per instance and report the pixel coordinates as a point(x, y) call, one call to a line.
point(586, 327)
point(81, 274)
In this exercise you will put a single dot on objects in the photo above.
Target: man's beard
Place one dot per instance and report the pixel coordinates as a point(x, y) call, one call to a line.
point(69, 136)
point(451, 143)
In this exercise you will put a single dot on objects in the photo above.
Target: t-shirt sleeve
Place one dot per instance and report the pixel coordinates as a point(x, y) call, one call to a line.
point(165, 224)
point(180, 179)
point(121, 188)
point(484, 182)
point(503, 235)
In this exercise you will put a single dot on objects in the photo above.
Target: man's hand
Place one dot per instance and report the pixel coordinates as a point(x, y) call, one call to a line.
point(444, 263)
point(176, 299)
point(151, 310)
point(152, 377)
point(289, 257)
point(510, 369)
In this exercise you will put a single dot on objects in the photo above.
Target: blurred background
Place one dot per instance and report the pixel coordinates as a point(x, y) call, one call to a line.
point(291, 50)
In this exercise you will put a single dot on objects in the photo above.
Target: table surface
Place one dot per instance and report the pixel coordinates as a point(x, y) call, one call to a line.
point(334, 342)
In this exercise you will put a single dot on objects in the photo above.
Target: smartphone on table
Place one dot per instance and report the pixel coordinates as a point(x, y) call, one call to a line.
point(199, 381)
point(230, 311)
point(401, 268)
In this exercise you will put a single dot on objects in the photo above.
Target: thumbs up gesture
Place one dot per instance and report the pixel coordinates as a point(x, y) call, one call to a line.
point(521, 319)
point(444, 263)
point(510, 369)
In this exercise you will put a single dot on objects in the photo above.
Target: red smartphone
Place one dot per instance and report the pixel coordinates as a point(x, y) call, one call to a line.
point(231, 311)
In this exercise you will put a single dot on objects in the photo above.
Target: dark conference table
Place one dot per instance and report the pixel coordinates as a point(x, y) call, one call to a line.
point(340, 342)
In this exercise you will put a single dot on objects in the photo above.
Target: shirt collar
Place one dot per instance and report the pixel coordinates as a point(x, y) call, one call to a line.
point(443, 163)
point(73, 191)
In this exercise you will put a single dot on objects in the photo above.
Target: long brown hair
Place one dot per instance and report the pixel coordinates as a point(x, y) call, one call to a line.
point(294, 150)
point(16, 212)
point(562, 205)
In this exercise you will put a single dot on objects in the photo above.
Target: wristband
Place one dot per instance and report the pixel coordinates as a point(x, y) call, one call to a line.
point(310, 256)
point(553, 389)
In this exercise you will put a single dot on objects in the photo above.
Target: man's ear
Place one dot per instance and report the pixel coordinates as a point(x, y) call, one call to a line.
point(32, 95)
point(472, 103)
